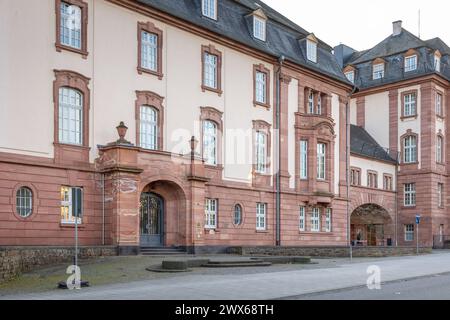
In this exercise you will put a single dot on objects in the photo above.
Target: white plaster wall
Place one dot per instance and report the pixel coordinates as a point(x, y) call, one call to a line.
point(377, 117)
point(335, 112)
point(292, 109)
point(380, 167)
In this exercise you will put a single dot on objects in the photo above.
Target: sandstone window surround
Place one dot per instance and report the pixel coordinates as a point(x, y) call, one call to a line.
point(150, 47)
point(153, 101)
point(372, 179)
point(211, 136)
point(261, 86)
point(71, 26)
point(410, 144)
point(355, 176)
point(409, 101)
point(25, 201)
point(440, 148)
point(211, 69)
point(388, 182)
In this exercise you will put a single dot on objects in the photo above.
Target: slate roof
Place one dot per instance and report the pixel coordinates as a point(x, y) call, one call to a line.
point(363, 144)
point(284, 37)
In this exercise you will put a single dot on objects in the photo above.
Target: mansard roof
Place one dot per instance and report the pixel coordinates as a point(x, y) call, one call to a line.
point(284, 37)
point(363, 144)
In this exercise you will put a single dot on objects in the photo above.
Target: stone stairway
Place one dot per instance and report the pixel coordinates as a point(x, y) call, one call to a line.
point(236, 263)
point(162, 251)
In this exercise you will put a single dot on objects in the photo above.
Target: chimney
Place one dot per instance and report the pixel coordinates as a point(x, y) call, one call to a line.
point(397, 27)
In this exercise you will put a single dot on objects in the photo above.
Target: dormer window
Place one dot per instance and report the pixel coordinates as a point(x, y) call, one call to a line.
point(378, 71)
point(437, 62)
point(411, 63)
point(311, 50)
point(350, 75)
point(259, 28)
point(209, 9)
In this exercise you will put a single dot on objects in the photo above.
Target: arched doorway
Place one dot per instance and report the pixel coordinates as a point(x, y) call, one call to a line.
point(151, 220)
point(371, 225)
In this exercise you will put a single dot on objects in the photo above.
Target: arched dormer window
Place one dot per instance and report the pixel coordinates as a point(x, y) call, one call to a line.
point(311, 48)
point(437, 61)
point(259, 24)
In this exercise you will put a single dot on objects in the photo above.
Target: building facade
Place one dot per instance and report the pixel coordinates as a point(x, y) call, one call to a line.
point(199, 124)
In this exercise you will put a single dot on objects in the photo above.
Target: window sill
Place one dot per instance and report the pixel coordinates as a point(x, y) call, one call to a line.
point(260, 104)
point(206, 88)
point(262, 231)
point(79, 146)
point(408, 207)
point(414, 117)
point(60, 47)
point(71, 225)
point(440, 117)
point(159, 74)
point(321, 233)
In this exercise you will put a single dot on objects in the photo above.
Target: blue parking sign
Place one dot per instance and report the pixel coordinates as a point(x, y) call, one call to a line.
point(418, 219)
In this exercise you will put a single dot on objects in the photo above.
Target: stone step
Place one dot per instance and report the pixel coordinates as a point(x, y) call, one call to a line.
point(237, 265)
point(162, 251)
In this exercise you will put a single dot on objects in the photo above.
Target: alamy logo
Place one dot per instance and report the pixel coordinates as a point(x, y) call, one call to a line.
point(74, 280)
point(374, 279)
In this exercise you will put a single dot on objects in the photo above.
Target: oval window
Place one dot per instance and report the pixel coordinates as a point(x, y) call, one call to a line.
point(24, 202)
point(237, 215)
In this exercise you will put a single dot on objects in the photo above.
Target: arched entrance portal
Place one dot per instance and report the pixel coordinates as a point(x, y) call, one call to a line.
point(371, 225)
point(163, 215)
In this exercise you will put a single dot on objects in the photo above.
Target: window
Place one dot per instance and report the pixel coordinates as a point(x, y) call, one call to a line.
point(315, 220)
point(210, 142)
point(321, 157)
point(24, 202)
point(387, 182)
point(355, 177)
point(410, 63)
point(409, 232)
point(409, 105)
point(70, 116)
point(311, 50)
point(439, 148)
point(261, 87)
point(303, 159)
point(372, 179)
point(319, 104)
point(209, 9)
point(439, 111)
point(437, 63)
point(261, 216)
point(261, 152)
point(311, 103)
point(328, 220)
point(259, 28)
point(71, 205)
point(302, 219)
point(410, 195)
point(440, 195)
point(350, 76)
point(210, 79)
point(378, 71)
point(237, 218)
point(211, 69)
point(149, 128)
point(410, 149)
point(211, 214)
point(150, 49)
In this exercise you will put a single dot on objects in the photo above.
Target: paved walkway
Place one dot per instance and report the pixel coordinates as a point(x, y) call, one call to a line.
point(259, 286)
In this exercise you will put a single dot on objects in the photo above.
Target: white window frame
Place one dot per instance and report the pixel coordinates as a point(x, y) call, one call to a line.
point(411, 63)
point(439, 148)
point(350, 76)
point(71, 26)
point(259, 28)
point(328, 219)
point(211, 211)
point(304, 159)
point(210, 142)
point(410, 149)
point(439, 99)
point(209, 9)
point(319, 104)
point(261, 152)
point(302, 219)
point(410, 194)
point(210, 75)
point(378, 71)
point(70, 116)
point(149, 51)
point(24, 202)
point(410, 105)
point(261, 87)
point(321, 161)
point(148, 128)
point(311, 102)
point(311, 51)
point(437, 63)
point(261, 216)
point(69, 204)
point(315, 220)
point(409, 232)
point(237, 212)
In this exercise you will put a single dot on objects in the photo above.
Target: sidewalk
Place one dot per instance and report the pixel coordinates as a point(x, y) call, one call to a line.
point(259, 286)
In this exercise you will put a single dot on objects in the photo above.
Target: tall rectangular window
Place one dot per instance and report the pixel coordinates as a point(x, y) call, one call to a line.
point(328, 217)
point(311, 51)
point(372, 179)
point(211, 213)
point(439, 148)
point(378, 71)
point(302, 219)
point(440, 195)
point(410, 105)
point(315, 220)
point(387, 182)
point(311, 103)
point(355, 177)
point(261, 152)
point(410, 63)
point(321, 160)
point(70, 25)
point(259, 28)
point(410, 149)
point(439, 110)
point(210, 70)
point(210, 142)
point(71, 205)
point(319, 104)
point(70, 116)
point(209, 8)
point(409, 232)
point(261, 87)
point(410, 194)
point(303, 159)
point(149, 51)
point(261, 216)
point(148, 128)
point(437, 63)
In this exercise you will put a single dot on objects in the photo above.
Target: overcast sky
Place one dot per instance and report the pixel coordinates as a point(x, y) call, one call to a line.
point(361, 24)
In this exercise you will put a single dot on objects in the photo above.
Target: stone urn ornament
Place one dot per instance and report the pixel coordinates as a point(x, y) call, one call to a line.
point(122, 131)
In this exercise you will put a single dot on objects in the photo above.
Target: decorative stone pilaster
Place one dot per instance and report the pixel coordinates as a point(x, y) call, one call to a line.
point(344, 150)
point(285, 80)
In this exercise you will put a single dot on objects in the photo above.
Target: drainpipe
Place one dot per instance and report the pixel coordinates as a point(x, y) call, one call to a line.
point(278, 156)
point(396, 199)
point(103, 208)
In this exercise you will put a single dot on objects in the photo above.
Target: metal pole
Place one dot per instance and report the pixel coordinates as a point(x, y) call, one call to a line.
point(417, 239)
point(76, 236)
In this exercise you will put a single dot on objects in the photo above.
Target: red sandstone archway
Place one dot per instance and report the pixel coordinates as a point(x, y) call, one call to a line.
point(371, 225)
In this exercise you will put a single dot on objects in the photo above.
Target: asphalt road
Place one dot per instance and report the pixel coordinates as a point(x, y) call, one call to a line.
point(436, 287)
